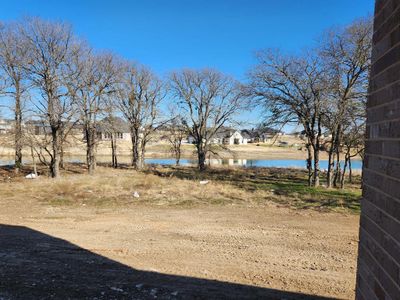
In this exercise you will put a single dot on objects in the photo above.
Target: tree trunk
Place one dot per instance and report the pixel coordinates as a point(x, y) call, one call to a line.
point(33, 162)
point(317, 148)
point(331, 158)
point(202, 159)
point(338, 171)
point(346, 160)
point(62, 155)
point(350, 171)
point(18, 130)
point(135, 148)
point(90, 150)
point(142, 155)
point(316, 167)
point(309, 164)
point(114, 151)
point(177, 156)
point(55, 159)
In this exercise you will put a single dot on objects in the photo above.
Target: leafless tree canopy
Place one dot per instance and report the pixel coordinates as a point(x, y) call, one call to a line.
point(346, 53)
point(177, 133)
point(292, 91)
point(208, 100)
point(139, 94)
point(50, 47)
point(13, 60)
point(89, 91)
point(323, 90)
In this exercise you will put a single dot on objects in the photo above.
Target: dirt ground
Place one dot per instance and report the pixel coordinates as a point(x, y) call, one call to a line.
point(139, 250)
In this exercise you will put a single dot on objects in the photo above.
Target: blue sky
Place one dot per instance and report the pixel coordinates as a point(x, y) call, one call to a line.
point(171, 34)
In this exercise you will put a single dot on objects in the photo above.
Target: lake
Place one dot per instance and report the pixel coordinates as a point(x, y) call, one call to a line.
point(276, 163)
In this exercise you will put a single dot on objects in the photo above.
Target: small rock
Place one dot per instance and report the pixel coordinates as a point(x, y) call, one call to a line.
point(139, 286)
point(153, 292)
point(116, 289)
point(135, 194)
point(31, 176)
point(174, 293)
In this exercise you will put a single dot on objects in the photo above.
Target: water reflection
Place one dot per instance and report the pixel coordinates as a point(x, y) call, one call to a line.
point(272, 163)
point(277, 163)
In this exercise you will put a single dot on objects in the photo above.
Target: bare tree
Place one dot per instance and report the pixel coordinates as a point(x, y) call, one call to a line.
point(346, 53)
point(112, 126)
point(138, 98)
point(50, 47)
point(89, 91)
point(353, 145)
point(38, 138)
point(291, 89)
point(208, 101)
point(13, 59)
point(176, 134)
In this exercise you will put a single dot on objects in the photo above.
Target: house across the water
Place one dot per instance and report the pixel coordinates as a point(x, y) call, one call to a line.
point(6, 125)
point(229, 136)
point(112, 125)
point(225, 136)
point(264, 135)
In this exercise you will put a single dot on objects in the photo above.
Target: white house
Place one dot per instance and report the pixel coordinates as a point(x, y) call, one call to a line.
point(225, 136)
point(6, 126)
point(229, 137)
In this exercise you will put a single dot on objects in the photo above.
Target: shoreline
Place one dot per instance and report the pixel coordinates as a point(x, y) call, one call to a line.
point(251, 152)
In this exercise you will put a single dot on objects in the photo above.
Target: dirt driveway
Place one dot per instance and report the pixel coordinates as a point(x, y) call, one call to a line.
point(149, 252)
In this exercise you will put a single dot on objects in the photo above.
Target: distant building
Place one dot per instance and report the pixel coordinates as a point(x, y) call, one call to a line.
point(112, 125)
point(42, 127)
point(263, 135)
point(6, 125)
point(38, 127)
point(225, 136)
point(229, 136)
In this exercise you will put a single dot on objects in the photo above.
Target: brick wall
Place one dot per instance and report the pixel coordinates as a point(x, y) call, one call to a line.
point(379, 249)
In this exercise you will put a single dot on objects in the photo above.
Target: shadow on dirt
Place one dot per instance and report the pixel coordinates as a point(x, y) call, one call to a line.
point(34, 265)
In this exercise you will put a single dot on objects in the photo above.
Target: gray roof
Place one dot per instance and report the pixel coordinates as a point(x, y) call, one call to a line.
point(116, 124)
point(245, 134)
point(225, 133)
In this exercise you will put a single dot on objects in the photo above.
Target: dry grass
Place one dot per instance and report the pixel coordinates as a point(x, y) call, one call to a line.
point(171, 186)
point(111, 187)
point(287, 187)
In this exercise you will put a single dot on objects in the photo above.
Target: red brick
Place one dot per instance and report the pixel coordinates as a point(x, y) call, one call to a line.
point(379, 249)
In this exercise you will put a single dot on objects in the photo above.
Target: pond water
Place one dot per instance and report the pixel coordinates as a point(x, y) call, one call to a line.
point(277, 163)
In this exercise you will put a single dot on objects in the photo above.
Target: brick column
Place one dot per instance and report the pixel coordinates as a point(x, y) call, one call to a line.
point(378, 274)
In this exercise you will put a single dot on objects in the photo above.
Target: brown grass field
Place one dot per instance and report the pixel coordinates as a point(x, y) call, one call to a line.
point(257, 233)
point(75, 147)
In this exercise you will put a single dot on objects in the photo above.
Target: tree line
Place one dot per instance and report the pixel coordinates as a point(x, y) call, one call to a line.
point(324, 90)
point(57, 78)
point(54, 76)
